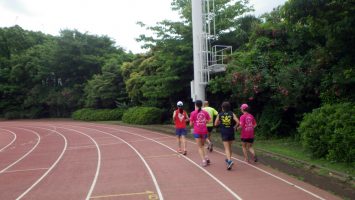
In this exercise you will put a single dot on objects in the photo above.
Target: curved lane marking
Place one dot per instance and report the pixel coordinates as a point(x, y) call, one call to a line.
point(50, 169)
point(140, 156)
point(98, 160)
point(33, 148)
point(25, 170)
point(268, 173)
point(277, 177)
point(13, 140)
point(197, 165)
point(257, 168)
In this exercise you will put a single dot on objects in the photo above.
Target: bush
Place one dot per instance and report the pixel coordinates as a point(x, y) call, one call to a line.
point(143, 115)
point(88, 114)
point(13, 115)
point(269, 122)
point(30, 113)
point(33, 113)
point(329, 132)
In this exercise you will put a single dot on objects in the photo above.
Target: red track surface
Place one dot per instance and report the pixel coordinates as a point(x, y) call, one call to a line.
point(74, 160)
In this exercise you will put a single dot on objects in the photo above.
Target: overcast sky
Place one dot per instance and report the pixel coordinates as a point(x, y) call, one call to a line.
point(114, 18)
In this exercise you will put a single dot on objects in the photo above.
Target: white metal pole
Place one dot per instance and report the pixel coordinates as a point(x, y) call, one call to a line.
point(197, 32)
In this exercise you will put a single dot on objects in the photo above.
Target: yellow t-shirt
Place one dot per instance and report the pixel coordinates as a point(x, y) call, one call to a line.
point(212, 112)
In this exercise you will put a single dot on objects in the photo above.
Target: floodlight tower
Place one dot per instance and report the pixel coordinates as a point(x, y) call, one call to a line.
point(207, 59)
point(197, 88)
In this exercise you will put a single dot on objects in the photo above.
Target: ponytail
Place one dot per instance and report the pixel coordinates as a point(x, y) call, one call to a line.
point(198, 104)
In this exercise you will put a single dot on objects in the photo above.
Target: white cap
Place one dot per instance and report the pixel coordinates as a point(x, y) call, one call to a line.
point(179, 103)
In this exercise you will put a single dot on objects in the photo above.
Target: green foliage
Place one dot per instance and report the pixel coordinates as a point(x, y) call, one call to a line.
point(13, 115)
point(143, 115)
point(163, 76)
point(107, 89)
point(285, 63)
point(29, 113)
point(294, 60)
point(269, 122)
point(329, 132)
point(89, 114)
point(46, 76)
point(324, 31)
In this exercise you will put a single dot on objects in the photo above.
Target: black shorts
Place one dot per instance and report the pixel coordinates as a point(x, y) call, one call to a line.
point(247, 140)
point(209, 129)
point(227, 137)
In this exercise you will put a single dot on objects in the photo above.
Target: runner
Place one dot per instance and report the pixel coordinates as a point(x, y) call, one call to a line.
point(228, 122)
point(198, 120)
point(212, 112)
point(247, 125)
point(180, 118)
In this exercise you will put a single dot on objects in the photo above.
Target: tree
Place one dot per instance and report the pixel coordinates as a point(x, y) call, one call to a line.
point(292, 63)
point(107, 89)
point(22, 58)
point(165, 74)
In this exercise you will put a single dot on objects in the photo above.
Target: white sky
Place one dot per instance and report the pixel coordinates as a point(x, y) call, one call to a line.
point(114, 18)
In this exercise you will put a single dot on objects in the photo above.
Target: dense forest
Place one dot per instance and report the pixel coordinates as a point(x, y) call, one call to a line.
point(285, 63)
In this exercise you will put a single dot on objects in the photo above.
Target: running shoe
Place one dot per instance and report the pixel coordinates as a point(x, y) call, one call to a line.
point(184, 153)
point(211, 147)
point(204, 163)
point(230, 164)
point(208, 161)
point(179, 151)
point(255, 159)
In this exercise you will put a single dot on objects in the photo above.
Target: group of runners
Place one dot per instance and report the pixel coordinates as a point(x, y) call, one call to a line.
point(202, 124)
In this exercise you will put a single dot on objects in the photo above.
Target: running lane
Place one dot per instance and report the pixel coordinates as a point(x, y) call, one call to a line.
point(24, 143)
point(6, 139)
point(248, 181)
point(123, 174)
point(30, 157)
point(177, 177)
point(115, 162)
point(74, 174)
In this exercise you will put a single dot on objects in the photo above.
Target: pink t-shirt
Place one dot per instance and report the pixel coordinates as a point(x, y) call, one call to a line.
point(247, 122)
point(200, 119)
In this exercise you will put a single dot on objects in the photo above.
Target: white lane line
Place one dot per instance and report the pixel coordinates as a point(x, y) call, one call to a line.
point(191, 161)
point(49, 169)
point(268, 173)
point(140, 156)
point(105, 144)
point(25, 170)
point(98, 160)
point(92, 146)
point(33, 148)
point(13, 140)
point(277, 177)
point(257, 168)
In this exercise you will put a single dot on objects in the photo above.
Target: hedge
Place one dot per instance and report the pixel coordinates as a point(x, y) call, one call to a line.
point(329, 132)
point(88, 114)
point(143, 115)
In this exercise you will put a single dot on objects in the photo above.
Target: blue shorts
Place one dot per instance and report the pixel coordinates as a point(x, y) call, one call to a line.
point(181, 131)
point(202, 136)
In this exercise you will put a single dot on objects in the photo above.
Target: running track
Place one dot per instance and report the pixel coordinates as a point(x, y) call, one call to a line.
point(75, 160)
